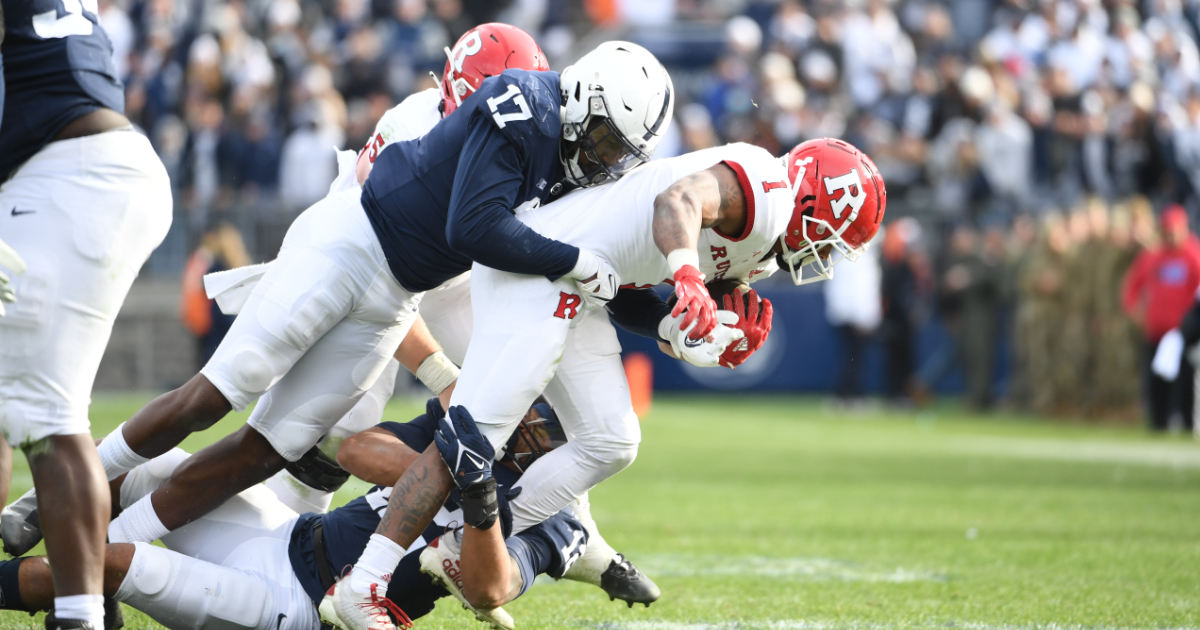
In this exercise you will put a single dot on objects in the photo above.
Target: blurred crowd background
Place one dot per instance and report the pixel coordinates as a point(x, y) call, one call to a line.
point(1029, 147)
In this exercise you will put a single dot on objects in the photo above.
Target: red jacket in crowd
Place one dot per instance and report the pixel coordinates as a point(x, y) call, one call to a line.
point(1164, 280)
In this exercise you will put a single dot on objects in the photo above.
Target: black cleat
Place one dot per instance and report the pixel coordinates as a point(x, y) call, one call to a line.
point(54, 623)
point(621, 580)
point(114, 617)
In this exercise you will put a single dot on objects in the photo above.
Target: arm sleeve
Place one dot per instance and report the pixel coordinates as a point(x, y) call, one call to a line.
point(639, 311)
point(481, 224)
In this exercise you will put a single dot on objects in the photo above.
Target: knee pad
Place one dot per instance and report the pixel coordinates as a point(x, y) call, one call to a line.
point(614, 457)
point(318, 470)
point(147, 478)
point(252, 372)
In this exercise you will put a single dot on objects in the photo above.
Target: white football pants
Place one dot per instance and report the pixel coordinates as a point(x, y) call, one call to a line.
point(84, 214)
point(317, 330)
point(227, 569)
point(533, 336)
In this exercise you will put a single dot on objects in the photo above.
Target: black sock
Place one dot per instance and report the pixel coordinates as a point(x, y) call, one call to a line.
point(10, 585)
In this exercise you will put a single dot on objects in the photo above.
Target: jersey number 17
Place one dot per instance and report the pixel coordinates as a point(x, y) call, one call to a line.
point(518, 99)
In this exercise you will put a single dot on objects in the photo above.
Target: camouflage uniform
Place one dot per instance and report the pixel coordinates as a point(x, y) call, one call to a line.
point(1040, 324)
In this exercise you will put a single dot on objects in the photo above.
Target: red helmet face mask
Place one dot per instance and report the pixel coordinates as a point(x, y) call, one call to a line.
point(840, 200)
point(486, 51)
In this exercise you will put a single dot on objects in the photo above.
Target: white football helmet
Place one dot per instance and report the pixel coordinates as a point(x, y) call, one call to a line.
point(617, 104)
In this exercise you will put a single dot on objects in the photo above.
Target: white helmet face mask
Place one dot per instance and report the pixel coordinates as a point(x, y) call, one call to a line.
point(618, 104)
point(796, 261)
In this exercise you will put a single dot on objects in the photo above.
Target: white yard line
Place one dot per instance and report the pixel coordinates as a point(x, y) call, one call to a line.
point(1164, 455)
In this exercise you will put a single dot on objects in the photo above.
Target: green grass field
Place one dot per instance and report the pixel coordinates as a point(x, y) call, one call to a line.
point(778, 513)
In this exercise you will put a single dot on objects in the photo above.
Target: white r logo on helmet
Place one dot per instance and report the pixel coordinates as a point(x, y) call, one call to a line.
point(846, 183)
point(469, 46)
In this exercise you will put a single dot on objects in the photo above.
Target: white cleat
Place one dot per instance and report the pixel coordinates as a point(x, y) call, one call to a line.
point(440, 560)
point(20, 529)
point(348, 609)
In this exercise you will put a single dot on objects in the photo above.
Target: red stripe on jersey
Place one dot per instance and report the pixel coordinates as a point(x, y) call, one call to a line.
point(748, 193)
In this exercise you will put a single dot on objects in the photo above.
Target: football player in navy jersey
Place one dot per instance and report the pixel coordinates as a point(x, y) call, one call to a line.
point(323, 321)
point(253, 563)
point(83, 201)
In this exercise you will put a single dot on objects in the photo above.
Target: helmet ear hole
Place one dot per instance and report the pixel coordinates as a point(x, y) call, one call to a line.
point(577, 88)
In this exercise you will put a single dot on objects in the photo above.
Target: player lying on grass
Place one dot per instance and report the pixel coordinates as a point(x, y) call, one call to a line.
point(740, 206)
point(253, 563)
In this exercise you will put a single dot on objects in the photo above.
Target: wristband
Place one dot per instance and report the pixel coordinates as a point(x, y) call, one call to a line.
point(479, 504)
point(437, 372)
point(683, 257)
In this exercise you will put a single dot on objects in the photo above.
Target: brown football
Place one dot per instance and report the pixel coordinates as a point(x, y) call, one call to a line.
point(718, 289)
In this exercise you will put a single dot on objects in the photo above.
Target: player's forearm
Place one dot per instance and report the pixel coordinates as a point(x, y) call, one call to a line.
point(376, 456)
point(421, 355)
point(494, 237)
point(486, 568)
point(418, 344)
point(639, 311)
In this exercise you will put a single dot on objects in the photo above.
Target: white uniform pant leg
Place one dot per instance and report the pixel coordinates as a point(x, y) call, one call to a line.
point(447, 312)
point(521, 326)
point(227, 569)
point(256, 590)
point(590, 395)
point(317, 331)
point(85, 214)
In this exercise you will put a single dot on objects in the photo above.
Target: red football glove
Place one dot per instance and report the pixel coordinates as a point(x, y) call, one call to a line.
point(755, 323)
point(694, 298)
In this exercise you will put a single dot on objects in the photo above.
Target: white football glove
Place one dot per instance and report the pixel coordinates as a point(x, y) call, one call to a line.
point(12, 260)
point(602, 287)
point(704, 352)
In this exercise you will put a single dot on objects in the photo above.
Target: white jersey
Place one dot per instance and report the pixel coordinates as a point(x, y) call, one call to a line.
point(616, 221)
point(409, 120)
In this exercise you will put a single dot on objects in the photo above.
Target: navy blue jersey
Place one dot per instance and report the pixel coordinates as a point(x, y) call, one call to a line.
point(441, 201)
point(58, 66)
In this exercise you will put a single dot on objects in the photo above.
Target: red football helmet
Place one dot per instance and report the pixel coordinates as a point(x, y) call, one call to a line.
point(840, 200)
point(482, 52)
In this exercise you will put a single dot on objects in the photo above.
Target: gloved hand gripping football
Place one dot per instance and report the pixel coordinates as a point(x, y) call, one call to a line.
point(753, 320)
point(469, 457)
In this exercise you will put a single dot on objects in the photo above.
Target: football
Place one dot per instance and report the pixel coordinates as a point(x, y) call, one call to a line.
point(718, 289)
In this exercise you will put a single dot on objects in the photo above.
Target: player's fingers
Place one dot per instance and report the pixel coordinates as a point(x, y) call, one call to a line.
point(705, 321)
point(768, 312)
point(727, 317)
point(752, 311)
point(728, 303)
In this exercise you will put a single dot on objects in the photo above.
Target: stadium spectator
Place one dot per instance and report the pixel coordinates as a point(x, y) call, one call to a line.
point(221, 248)
point(902, 305)
point(1159, 289)
point(853, 306)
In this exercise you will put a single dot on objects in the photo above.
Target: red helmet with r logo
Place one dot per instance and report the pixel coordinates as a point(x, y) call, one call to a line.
point(840, 201)
point(482, 52)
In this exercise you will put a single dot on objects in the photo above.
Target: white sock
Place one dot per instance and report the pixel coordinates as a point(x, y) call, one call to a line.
point(116, 456)
point(82, 607)
point(138, 523)
point(376, 564)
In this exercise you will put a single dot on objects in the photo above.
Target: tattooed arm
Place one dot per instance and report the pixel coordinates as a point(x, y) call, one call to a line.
point(710, 198)
point(416, 498)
